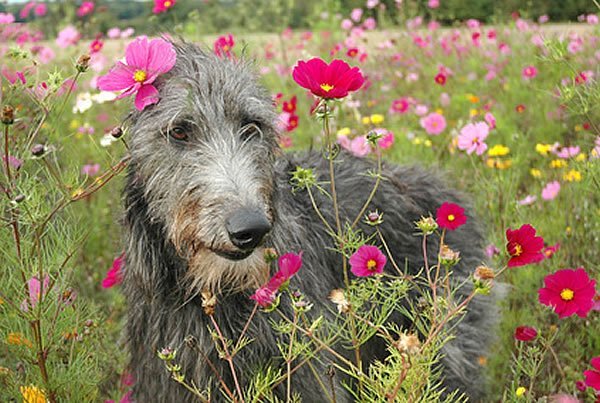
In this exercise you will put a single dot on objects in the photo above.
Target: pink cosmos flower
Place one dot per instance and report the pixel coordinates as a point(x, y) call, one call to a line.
point(69, 36)
point(160, 6)
point(543, 19)
point(146, 60)
point(40, 9)
point(592, 19)
point(568, 292)
point(6, 18)
point(529, 72)
point(114, 276)
point(223, 46)
point(472, 138)
point(333, 80)
point(567, 152)
point(87, 7)
point(370, 24)
point(387, 139)
point(356, 14)
point(433, 3)
point(346, 24)
point(24, 13)
point(400, 105)
point(367, 261)
point(96, 46)
point(37, 290)
point(490, 120)
point(113, 33)
point(529, 199)
point(434, 123)
point(492, 250)
point(90, 169)
point(550, 191)
point(289, 264)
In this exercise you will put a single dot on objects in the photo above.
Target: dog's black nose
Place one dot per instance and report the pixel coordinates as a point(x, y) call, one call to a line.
point(247, 228)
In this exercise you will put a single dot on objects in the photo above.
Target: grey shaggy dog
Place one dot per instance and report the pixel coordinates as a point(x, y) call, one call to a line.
point(208, 189)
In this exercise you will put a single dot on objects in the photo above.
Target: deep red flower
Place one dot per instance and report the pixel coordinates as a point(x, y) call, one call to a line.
point(292, 123)
point(568, 292)
point(523, 246)
point(549, 251)
point(291, 105)
point(352, 52)
point(592, 377)
point(520, 108)
point(334, 80)
point(525, 333)
point(441, 79)
point(367, 260)
point(450, 216)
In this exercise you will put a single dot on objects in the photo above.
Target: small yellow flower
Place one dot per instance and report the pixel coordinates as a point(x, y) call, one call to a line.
point(439, 111)
point(344, 131)
point(558, 163)
point(543, 149)
point(473, 98)
point(581, 157)
point(32, 394)
point(76, 193)
point(427, 143)
point(578, 128)
point(482, 360)
point(536, 173)
point(417, 140)
point(520, 391)
point(377, 118)
point(572, 176)
point(498, 151)
point(473, 112)
point(366, 120)
point(498, 163)
point(74, 124)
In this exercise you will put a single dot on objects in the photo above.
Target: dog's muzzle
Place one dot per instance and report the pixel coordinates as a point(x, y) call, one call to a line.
point(246, 228)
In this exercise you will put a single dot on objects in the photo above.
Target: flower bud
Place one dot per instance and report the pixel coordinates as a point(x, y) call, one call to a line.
point(20, 198)
point(38, 150)
point(116, 132)
point(8, 115)
point(374, 218)
point(426, 225)
point(83, 63)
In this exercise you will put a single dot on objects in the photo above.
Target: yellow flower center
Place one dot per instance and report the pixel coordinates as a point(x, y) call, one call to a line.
point(326, 87)
point(451, 217)
point(225, 48)
point(139, 76)
point(518, 250)
point(168, 4)
point(371, 264)
point(567, 294)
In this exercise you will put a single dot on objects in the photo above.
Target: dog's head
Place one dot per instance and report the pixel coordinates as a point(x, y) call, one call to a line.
point(204, 155)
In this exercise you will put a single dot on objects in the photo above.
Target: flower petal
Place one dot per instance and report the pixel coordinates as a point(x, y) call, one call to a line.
point(146, 95)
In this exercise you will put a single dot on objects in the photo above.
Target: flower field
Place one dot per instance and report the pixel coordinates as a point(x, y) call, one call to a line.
point(508, 112)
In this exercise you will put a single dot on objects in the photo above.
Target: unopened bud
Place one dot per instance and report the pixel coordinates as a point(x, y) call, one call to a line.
point(448, 257)
point(426, 225)
point(374, 218)
point(20, 198)
point(83, 63)
point(38, 150)
point(484, 273)
point(209, 301)
point(116, 132)
point(8, 115)
point(270, 255)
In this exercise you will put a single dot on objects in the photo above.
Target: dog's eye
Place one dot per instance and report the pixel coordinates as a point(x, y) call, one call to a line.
point(250, 130)
point(178, 133)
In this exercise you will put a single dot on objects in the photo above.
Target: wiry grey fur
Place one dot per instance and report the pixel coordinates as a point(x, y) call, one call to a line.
point(179, 194)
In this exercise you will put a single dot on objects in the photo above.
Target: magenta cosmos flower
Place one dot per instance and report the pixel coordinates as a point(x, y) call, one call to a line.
point(160, 6)
point(450, 216)
point(146, 60)
point(472, 138)
point(87, 7)
point(367, 261)
point(223, 46)
point(434, 123)
point(334, 80)
point(523, 246)
point(568, 292)
point(592, 376)
point(114, 276)
point(289, 264)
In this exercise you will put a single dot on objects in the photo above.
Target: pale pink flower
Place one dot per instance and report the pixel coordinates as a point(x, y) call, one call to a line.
point(433, 3)
point(370, 24)
point(421, 110)
point(567, 152)
point(472, 138)
point(127, 32)
point(543, 19)
point(90, 169)
point(113, 33)
point(387, 139)
point(6, 18)
point(346, 24)
point(550, 191)
point(529, 199)
point(146, 60)
point(434, 123)
point(69, 36)
point(356, 14)
point(372, 3)
point(592, 19)
point(37, 290)
point(359, 146)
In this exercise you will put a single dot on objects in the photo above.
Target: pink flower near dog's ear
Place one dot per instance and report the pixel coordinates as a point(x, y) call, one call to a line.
point(334, 80)
point(113, 276)
point(146, 60)
point(367, 261)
